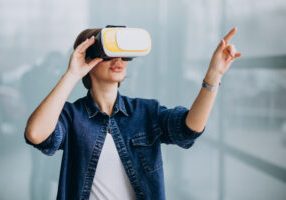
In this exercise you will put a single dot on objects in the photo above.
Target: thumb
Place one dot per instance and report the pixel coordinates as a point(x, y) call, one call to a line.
point(94, 62)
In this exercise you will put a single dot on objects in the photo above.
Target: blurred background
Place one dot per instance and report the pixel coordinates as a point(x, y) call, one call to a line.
point(241, 155)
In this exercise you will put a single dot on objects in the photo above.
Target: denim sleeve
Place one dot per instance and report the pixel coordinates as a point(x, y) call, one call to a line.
point(174, 128)
point(56, 140)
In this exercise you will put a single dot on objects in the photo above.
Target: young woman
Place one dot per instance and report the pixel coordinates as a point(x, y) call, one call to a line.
point(112, 143)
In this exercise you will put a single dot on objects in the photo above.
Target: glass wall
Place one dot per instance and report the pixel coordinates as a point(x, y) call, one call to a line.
point(241, 155)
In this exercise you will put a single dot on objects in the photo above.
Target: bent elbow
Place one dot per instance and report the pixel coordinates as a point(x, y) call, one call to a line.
point(32, 136)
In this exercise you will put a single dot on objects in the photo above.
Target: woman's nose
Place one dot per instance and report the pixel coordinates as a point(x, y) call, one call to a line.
point(117, 60)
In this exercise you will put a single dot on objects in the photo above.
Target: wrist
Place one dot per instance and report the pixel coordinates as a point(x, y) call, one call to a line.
point(72, 76)
point(213, 77)
point(209, 87)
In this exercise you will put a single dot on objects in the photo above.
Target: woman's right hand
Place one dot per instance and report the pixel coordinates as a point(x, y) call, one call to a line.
point(78, 65)
point(43, 120)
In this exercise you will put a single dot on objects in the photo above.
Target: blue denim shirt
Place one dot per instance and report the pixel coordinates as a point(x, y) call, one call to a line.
point(138, 127)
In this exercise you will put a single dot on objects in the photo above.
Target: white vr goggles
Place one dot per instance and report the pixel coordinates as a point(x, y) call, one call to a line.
point(119, 41)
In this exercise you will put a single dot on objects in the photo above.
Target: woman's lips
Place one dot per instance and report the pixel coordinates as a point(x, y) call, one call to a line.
point(116, 69)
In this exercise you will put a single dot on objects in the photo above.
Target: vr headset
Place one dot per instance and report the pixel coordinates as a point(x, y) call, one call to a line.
point(120, 41)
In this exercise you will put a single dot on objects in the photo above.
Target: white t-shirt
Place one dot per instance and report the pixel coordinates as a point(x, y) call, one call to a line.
point(110, 181)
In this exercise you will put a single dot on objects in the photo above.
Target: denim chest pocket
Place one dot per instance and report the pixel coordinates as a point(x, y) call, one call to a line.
point(147, 147)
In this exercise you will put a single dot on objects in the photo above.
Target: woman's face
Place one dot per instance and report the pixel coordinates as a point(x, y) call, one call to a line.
point(111, 71)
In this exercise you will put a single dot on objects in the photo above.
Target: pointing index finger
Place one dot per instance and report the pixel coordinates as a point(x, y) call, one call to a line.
point(230, 34)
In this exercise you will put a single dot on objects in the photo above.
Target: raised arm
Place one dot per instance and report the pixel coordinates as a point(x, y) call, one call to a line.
point(43, 120)
point(221, 60)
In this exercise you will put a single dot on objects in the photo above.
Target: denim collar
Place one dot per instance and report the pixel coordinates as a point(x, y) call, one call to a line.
point(92, 107)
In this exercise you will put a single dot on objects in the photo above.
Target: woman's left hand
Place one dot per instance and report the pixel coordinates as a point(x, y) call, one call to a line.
point(224, 54)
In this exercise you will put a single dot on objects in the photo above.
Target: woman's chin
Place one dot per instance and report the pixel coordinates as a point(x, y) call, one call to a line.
point(116, 80)
point(117, 77)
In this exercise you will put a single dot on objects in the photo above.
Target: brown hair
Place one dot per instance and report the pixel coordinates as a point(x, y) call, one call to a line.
point(86, 80)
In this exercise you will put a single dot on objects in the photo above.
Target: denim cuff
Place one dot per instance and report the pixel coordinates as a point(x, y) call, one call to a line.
point(180, 133)
point(51, 143)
